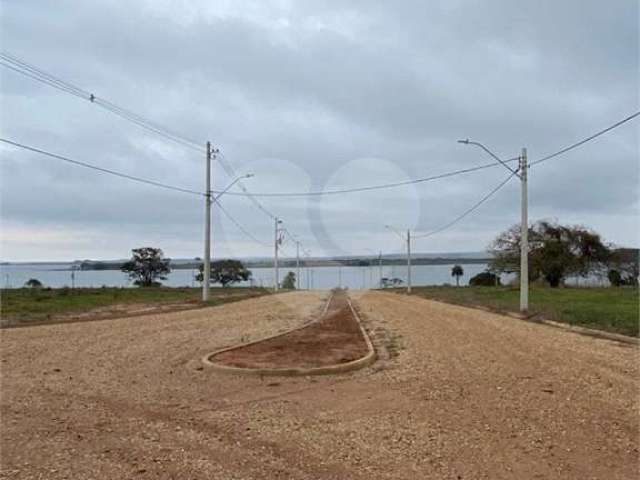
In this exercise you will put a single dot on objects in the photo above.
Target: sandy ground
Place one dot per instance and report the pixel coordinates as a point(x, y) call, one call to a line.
point(334, 338)
point(457, 394)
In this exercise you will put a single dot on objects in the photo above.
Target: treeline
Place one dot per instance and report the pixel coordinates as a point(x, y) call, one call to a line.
point(290, 263)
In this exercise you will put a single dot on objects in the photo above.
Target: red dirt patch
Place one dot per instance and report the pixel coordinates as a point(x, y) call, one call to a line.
point(335, 338)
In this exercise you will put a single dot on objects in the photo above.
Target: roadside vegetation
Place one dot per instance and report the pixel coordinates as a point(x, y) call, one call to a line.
point(610, 309)
point(556, 252)
point(25, 306)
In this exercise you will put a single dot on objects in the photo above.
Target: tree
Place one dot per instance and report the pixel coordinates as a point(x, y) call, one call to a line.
point(33, 283)
point(289, 282)
point(147, 266)
point(485, 279)
point(624, 267)
point(457, 272)
point(615, 278)
point(555, 252)
point(225, 272)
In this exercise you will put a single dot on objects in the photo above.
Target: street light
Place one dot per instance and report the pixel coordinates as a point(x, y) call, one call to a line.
point(408, 239)
point(522, 174)
point(277, 241)
point(206, 267)
point(478, 144)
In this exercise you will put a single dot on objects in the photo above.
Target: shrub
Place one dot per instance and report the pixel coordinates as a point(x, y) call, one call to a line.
point(33, 283)
point(485, 279)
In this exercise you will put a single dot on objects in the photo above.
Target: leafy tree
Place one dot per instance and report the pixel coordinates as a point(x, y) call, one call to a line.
point(485, 279)
point(33, 283)
point(289, 282)
point(615, 278)
point(147, 266)
point(225, 272)
point(457, 272)
point(555, 252)
point(624, 267)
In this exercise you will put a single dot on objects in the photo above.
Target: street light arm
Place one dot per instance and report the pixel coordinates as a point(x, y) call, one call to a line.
point(248, 175)
point(395, 231)
point(493, 155)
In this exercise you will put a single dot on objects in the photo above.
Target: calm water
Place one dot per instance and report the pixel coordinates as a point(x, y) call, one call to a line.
point(59, 275)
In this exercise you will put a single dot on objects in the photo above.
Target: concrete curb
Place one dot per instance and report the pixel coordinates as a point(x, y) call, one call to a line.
point(616, 337)
point(533, 318)
point(291, 372)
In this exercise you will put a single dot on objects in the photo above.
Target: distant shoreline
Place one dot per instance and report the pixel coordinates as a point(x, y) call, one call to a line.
point(97, 265)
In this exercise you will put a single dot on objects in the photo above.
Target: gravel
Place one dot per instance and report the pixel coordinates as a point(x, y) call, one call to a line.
point(457, 393)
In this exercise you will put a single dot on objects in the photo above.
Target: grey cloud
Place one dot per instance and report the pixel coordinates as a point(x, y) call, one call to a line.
point(317, 87)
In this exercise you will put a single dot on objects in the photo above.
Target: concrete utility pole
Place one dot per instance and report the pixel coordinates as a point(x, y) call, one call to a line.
point(408, 240)
point(206, 271)
point(408, 261)
point(380, 267)
point(275, 257)
point(524, 236)
point(522, 173)
point(297, 265)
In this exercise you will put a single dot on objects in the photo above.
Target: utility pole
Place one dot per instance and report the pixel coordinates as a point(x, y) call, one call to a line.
point(408, 261)
point(275, 257)
point(522, 173)
point(380, 267)
point(524, 236)
point(297, 265)
point(206, 268)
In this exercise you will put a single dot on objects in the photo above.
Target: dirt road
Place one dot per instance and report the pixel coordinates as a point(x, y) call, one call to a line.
point(458, 394)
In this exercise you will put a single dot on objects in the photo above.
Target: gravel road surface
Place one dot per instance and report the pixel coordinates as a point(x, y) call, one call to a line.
point(457, 394)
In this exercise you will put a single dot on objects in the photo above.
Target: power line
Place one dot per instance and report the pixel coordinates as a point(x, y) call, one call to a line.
point(31, 71)
point(582, 142)
point(373, 187)
point(38, 74)
point(239, 226)
point(468, 211)
point(136, 179)
point(101, 169)
point(246, 193)
point(24, 68)
point(548, 157)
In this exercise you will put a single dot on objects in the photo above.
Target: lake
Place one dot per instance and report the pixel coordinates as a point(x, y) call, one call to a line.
point(58, 275)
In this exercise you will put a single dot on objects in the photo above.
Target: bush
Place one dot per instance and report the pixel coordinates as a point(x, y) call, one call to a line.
point(485, 279)
point(289, 282)
point(618, 279)
point(33, 283)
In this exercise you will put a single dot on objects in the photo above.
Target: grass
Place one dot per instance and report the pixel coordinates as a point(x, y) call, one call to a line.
point(33, 305)
point(610, 309)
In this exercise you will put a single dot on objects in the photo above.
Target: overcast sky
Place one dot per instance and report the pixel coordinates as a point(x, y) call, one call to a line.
point(311, 97)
